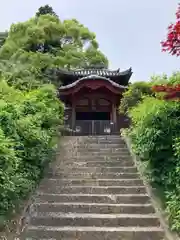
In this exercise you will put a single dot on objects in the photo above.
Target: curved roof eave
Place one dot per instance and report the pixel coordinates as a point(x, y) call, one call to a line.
point(92, 77)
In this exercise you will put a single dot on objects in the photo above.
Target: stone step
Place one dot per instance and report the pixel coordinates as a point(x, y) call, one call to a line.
point(103, 137)
point(87, 175)
point(94, 182)
point(98, 169)
point(119, 157)
point(102, 163)
point(93, 198)
point(99, 149)
point(107, 148)
point(101, 145)
point(57, 219)
point(102, 154)
point(107, 136)
point(90, 157)
point(102, 208)
point(104, 150)
point(103, 141)
point(94, 233)
point(93, 189)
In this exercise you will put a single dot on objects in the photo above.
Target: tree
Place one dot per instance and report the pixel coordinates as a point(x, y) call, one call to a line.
point(3, 36)
point(43, 43)
point(46, 10)
point(172, 42)
point(134, 95)
point(68, 43)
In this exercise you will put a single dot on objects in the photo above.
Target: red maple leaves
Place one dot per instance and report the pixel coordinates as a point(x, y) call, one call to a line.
point(171, 92)
point(172, 43)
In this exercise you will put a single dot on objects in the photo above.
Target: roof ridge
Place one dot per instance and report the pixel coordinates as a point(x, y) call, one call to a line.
point(100, 72)
point(95, 69)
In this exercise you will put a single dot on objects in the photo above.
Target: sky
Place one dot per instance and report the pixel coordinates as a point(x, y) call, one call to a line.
point(128, 31)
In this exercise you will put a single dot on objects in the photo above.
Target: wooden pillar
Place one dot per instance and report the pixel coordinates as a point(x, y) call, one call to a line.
point(114, 118)
point(73, 112)
point(111, 113)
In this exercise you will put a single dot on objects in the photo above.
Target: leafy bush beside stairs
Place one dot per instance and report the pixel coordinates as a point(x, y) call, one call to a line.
point(155, 134)
point(28, 125)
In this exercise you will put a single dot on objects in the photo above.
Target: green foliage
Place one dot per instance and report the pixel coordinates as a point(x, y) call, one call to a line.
point(134, 95)
point(68, 42)
point(175, 78)
point(159, 79)
point(173, 197)
point(136, 91)
point(46, 10)
point(28, 124)
point(163, 79)
point(3, 36)
point(44, 43)
point(22, 76)
point(155, 133)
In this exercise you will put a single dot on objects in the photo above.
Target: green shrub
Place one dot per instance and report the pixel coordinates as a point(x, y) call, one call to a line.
point(163, 79)
point(155, 133)
point(173, 197)
point(134, 95)
point(136, 91)
point(28, 124)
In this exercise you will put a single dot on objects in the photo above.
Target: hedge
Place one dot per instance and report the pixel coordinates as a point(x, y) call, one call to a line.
point(28, 125)
point(155, 133)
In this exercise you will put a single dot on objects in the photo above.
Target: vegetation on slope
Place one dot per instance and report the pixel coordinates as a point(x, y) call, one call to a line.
point(155, 134)
point(29, 122)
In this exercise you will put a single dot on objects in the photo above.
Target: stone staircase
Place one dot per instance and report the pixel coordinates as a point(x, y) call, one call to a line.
point(92, 192)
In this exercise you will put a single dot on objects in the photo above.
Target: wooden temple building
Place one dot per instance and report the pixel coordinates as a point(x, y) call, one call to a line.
point(92, 98)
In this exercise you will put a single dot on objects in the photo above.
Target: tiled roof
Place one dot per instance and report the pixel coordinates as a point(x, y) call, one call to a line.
point(99, 72)
point(91, 77)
